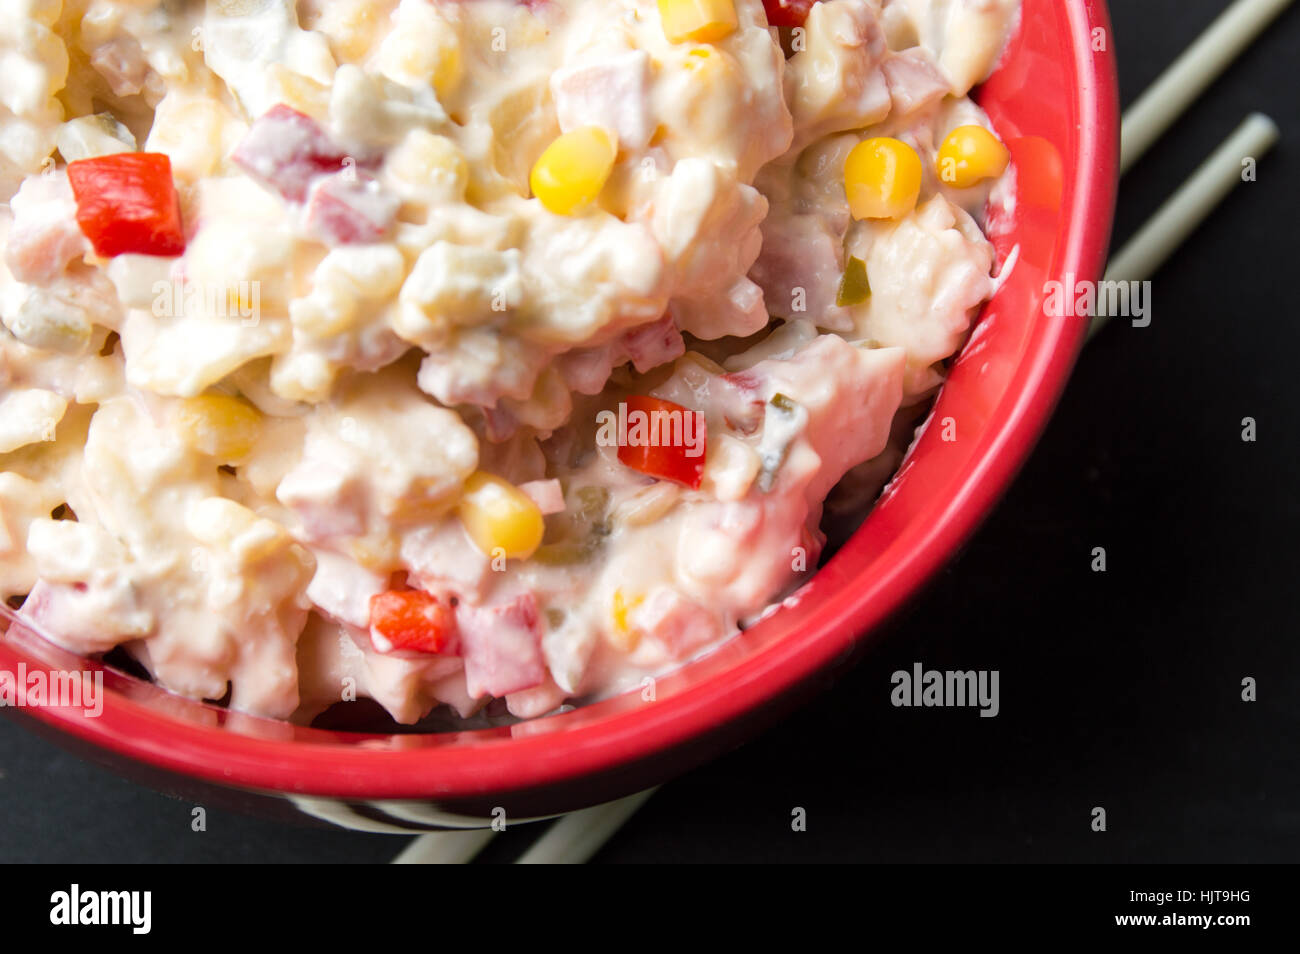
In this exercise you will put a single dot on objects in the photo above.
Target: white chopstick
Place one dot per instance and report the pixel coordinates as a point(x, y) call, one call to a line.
point(577, 836)
point(1188, 76)
point(572, 840)
point(1187, 208)
point(445, 847)
point(342, 815)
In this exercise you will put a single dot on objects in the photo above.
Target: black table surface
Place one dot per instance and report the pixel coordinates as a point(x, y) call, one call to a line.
point(1119, 689)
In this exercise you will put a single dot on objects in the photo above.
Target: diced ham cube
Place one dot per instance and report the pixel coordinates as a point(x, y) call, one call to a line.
point(654, 344)
point(585, 370)
point(679, 624)
point(611, 93)
point(915, 80)
point(327, 497)
point(499, 424)
point(442, 560)
point(122, 64)
point(799, 270)
point(502, 646)
point(342, 588)
point(349, 208)
point(286, 150)
point(44, 236)
point(547, 494)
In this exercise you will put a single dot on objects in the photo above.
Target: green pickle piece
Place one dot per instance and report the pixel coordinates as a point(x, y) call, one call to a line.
point(588, 523)
point(771, 459)
point(566, 553)
point(592, 502)
point(783, 403)
point(854, 287)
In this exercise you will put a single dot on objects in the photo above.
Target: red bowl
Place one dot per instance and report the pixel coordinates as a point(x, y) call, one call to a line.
point(1053, 100)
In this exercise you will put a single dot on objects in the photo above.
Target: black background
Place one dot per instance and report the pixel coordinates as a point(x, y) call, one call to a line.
point(1118, 689)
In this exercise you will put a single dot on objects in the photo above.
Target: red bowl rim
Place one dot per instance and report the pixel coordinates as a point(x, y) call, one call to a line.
point(140, 733)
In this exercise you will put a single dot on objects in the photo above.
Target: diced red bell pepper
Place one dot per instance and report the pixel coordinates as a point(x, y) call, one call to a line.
point(663, 440)
point(127, 203)
point(411, 620)
point(787, 13)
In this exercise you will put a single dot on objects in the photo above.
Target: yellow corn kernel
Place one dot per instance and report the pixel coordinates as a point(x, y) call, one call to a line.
point(882, 179)
point(500, 517)
point(623, 636)
point(970, 154)
point(222, 426)
point(572, 170)
point(705, 21)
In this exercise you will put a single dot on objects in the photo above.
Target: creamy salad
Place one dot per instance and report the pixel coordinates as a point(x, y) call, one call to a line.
point(477, 353)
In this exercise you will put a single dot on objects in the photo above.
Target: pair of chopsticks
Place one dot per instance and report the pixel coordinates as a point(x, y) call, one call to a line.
point(576, 837)
point(571, 840)
point(1158, 108)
